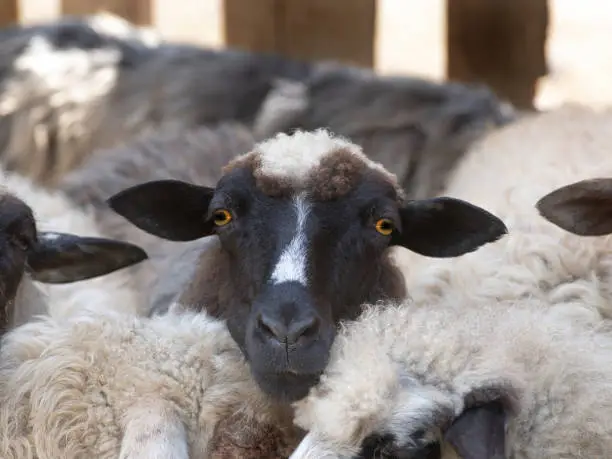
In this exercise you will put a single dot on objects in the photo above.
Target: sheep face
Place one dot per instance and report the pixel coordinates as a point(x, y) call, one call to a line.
point(304, 224)
point(49, 257)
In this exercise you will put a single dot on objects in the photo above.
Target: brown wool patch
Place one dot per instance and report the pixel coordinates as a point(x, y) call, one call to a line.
point(337, 174)
point(251, 161)
point(236, 441)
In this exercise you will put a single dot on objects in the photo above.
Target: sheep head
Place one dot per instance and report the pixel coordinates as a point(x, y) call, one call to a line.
point(304, 224)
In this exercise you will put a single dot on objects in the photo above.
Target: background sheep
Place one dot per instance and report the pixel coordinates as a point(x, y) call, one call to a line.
point(30, 255)
point(507, 173)
point(103, 89)
point(53, 212)
point(280, 213)
point(102, 385)
point(499, 380)
point(416, 128)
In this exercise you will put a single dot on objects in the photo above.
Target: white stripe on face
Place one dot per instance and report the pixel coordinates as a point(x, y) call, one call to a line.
point(291, 265)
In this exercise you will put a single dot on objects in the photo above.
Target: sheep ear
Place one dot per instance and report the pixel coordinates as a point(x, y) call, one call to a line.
point(583, 208)
point(59, 258)
point(479, 432)
point(169, 209)
point(446, 227)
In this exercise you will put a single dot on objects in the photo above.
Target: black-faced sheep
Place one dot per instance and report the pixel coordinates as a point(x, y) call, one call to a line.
point(303, 224)
point(417, 129)
point(446, 380)
point(507, 173)
point(29, 255)
point(86, 250)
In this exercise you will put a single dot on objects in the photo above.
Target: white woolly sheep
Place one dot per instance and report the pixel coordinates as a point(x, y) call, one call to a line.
point(280, 213)
point(442, 380)
point(196, 156)
point(100, 385)
point(507, 173)
point(38, 217)
point(416, 128)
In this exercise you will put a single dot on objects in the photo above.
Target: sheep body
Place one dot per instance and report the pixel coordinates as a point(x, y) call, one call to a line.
point(507, 172)
point(89, 385)
point(400, 369)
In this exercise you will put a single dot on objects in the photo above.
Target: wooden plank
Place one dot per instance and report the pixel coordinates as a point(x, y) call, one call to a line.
point(251, 25)
point(9, 12)
point(500, 43)
point(323, 29)
point(343, 30)
point(136, 11)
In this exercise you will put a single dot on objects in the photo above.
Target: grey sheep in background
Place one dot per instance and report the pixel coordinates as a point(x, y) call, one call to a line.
point(68, 89)
point(72, 86)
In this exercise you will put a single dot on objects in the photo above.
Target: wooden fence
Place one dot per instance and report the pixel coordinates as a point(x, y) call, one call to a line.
point(497, 42)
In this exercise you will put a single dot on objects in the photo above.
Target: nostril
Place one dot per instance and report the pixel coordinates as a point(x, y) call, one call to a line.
point(303, 328)
point(272, 328)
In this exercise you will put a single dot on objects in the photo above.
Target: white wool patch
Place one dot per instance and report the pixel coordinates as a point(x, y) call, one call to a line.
point(291, 265)
point(294, 156)
point(313, 448)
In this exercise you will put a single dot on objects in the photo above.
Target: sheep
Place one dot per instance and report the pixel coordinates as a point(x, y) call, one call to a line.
point(75, 250)
point(31, 257)
point(102, 385)
point(279, 213)
point(446, 380)
point(507, 173)
point(101, 87)
point(197, 156)
point(418, 129)
point(55, 79)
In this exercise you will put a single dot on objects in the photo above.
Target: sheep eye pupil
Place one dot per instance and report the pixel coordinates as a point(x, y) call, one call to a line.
point(384, 226)
point(222, 217)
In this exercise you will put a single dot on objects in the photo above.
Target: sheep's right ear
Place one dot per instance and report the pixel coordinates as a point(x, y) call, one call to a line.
point(169, 209)
point(583, 208)
point(446, 227)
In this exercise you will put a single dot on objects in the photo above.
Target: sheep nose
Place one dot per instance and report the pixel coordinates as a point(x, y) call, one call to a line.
point(289, 333)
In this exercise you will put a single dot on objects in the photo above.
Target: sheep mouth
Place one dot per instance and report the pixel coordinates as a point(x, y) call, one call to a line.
point(287, 386)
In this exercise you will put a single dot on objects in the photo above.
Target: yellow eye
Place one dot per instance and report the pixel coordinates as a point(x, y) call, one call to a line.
point(222, 217)
point(384, 226)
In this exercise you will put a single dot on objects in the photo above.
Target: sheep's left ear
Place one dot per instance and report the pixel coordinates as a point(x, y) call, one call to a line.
point(479, 432)
point(583, 208)
point(446, 227)
point(59, 258)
